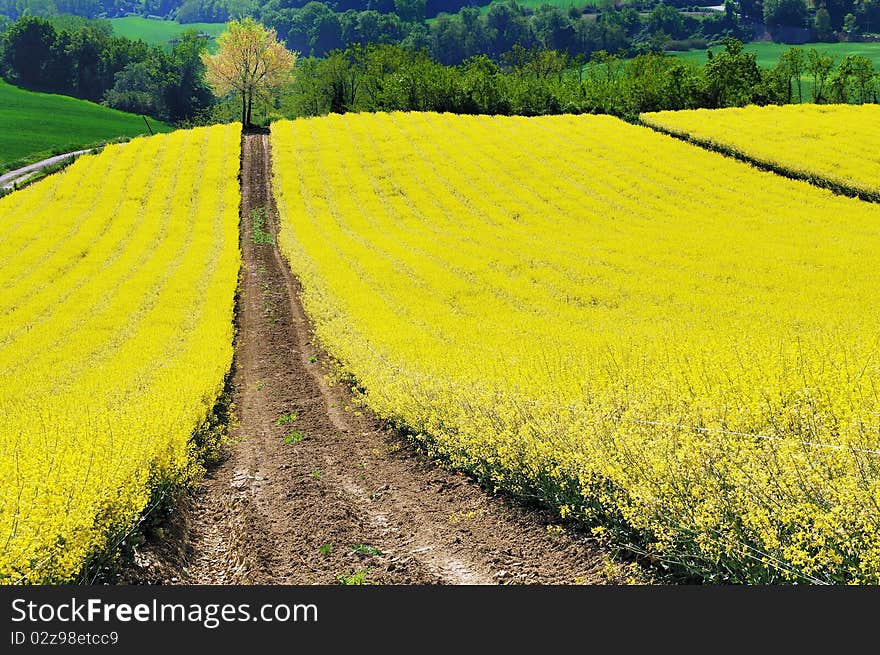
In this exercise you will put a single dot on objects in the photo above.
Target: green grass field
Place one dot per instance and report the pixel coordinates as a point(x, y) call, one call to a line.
point(160, 32)
point(39, 125)
point(768, 53)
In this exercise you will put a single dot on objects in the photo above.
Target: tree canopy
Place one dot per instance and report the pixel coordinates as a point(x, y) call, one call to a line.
point(250, 61)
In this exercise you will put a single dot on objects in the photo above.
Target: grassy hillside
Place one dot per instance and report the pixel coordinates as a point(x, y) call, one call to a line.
point(768, 53)
point(38, 125)
point(160, 32)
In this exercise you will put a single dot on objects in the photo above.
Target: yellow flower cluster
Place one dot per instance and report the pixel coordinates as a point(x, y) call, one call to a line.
point(645, 335)
point(837, 143)
point(117, 284)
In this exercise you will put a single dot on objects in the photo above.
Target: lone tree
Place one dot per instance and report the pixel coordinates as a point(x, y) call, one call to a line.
point(249, 61)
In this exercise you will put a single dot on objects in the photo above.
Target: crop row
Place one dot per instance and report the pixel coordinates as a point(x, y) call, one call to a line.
point(117, 283)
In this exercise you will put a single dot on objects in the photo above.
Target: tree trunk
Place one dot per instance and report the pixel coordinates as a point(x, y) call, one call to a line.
point(244, 116)
point(250, 105)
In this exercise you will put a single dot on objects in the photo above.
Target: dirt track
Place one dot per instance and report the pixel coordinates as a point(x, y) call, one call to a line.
point(10, 178)
point(351, 496)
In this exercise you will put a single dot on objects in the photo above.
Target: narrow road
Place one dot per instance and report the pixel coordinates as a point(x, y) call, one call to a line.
point(316, 491)
point(8, 180)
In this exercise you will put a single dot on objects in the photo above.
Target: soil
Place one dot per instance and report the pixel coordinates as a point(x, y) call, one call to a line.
point(335, 492)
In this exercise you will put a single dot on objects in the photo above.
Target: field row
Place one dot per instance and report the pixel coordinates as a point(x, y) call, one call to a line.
point(570, 307)
point(117, 281)
point(835, 145)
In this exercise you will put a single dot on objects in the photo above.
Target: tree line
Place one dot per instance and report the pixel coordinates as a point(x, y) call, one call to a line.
point(459, 31)
point(533, 82)
point(86, 61)
point(317, 28)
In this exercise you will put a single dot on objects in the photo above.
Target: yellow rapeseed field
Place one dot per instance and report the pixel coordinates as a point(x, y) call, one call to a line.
point(838, 143)
point(117, 283)
point(672, 346)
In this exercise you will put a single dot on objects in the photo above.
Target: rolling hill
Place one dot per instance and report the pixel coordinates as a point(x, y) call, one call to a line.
point(39, 125)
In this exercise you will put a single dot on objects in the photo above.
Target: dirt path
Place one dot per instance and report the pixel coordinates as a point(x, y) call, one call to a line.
point(9, 180)
point(332, 492)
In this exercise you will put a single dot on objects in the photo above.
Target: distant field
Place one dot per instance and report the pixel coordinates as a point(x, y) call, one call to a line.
point(39, 125)
point(768, 53)
point(160, 32)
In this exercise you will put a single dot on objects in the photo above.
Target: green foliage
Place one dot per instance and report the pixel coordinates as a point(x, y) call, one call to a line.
point(389, 78)
point(790, 69)
point(822, 25)
point(410, 11)
point(293, 437)
point(284, 419)
point(86, 62)
point(855, 81)
point(667, 20)
point(366, 549)
point(819, 65)
point(354, 577)
point(784, 13)
point(260, 233)
point(316, 29)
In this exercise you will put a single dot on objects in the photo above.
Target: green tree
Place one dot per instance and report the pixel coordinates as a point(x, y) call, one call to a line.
point(85, 51)
point(819, 65)
point(822, 25)
point(667, 20)
point(316, 29)
point(751, 10)
point(731, 76)
point(854, 80)
point(186, 92)
point(507, 26)
point(28, 51)
point(481, 85)
point(411, 11)
point(784, 13)
point(794, 60)
point(138, 89)
point(341, 81)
